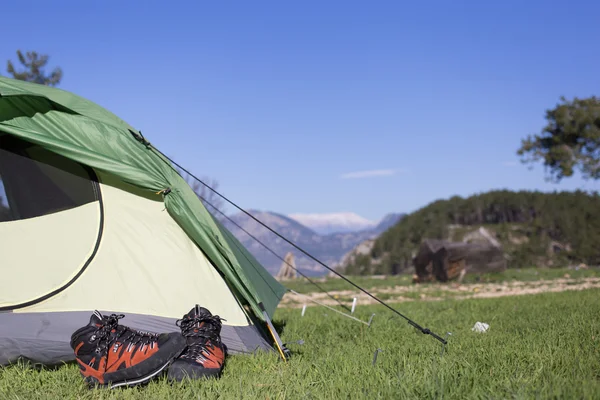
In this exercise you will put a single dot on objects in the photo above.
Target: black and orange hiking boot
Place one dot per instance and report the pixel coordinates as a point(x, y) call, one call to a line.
point(205, 353)
point(113, 355)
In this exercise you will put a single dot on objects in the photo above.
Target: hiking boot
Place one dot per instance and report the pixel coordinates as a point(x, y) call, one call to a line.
point(205, 353)
point(113, 355)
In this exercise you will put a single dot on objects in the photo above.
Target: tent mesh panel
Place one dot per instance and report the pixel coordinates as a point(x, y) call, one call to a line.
point(36, 182)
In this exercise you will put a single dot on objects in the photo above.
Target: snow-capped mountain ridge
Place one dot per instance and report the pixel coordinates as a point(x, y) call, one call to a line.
point(339, 222)
point(329, 248)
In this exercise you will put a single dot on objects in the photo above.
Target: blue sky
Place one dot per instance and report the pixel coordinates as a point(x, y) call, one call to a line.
point(287, 104)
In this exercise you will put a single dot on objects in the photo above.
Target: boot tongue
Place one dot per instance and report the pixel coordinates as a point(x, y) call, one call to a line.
point(198, 311)
point(96, 319)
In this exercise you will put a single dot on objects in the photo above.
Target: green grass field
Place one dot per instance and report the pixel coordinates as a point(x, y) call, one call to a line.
point(538, 346)
point(524, 275)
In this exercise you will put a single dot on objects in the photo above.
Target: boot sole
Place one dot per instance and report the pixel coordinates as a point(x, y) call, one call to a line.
point(181, 374)
point(93, 382)
point(141, 380)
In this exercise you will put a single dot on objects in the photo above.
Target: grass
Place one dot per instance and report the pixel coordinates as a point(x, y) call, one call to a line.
point(331, 284)
point(538, 346)
point(367, 282)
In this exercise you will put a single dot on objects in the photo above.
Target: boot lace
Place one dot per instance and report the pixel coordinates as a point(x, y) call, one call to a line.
point(110, 331)
point(204, 328)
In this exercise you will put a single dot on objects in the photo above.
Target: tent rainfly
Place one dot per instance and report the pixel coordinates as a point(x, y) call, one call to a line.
point(93, 217)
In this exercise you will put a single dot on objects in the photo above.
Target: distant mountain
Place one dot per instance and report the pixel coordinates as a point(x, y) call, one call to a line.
point(325, 224)
point(329, 248)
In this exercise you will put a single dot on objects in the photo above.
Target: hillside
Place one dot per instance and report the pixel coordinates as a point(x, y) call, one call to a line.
point(329, 248)
point(534, 228)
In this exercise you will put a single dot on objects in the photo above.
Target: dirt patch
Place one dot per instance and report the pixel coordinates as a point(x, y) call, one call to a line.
point(436, 292)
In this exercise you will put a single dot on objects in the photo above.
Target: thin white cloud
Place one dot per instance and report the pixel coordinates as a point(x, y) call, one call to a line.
point(369, 174)
point(510, 163)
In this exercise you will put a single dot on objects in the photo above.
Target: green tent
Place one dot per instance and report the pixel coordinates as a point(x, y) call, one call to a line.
point(92, 216)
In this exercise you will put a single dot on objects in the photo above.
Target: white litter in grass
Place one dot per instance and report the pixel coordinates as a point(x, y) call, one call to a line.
point(480, 327)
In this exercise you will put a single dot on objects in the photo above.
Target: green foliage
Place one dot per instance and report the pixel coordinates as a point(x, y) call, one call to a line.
point(33, 71)
point(526, 223)
point(542, 346)
point(570, 140)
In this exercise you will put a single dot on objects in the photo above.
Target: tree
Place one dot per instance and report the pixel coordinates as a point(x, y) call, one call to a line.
point(209, 198)
point(570, 140)
point(33, 71)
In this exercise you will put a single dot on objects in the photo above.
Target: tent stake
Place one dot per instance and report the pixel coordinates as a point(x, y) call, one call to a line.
point(375, 356)
point(283, 351)
point(326, 306)
point(370, 320)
